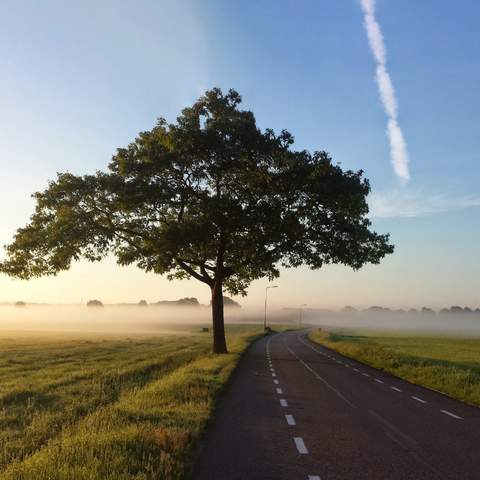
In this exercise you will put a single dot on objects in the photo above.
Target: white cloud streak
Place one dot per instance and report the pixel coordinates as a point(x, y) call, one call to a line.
point(398, 147)
point(406, 202)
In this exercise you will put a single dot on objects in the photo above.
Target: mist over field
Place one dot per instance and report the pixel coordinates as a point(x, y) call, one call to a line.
point(417, 323)
point(151, 319)
point(123, 319)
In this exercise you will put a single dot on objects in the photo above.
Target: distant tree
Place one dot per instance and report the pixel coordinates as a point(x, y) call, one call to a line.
point(142, 303)
point(182, 302)
point(427, 310)
point(189, 302)
point(412, 310)
point(349, 309)
point(229, 303)
point(376, 308)
point(210, 197)
point(94, 303)
point(456, 309)
point(20, 304)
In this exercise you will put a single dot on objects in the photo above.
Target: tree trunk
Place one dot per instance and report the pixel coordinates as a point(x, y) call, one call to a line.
point(219, 343)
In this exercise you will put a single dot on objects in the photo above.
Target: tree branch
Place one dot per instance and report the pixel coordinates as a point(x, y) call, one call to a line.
point(192, 272)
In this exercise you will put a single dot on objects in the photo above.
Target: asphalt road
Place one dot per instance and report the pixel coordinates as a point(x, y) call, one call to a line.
point(297, 410)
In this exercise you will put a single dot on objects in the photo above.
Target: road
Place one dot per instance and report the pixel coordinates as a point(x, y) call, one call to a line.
point(297, 410)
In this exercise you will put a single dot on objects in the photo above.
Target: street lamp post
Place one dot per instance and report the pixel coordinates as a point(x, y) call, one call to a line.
point(266, 295)
point(301, 314)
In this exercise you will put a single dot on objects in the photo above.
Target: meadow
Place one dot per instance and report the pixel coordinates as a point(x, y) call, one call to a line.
point(448, 364)
point(109, 406)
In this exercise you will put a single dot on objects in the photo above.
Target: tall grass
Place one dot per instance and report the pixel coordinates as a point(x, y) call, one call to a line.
point(108, 409)
point(449, 365)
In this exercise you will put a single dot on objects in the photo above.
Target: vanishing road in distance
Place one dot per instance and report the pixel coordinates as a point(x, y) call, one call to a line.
point(297, 410)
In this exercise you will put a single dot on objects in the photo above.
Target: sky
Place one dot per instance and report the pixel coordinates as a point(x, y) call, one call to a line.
point(80, 79)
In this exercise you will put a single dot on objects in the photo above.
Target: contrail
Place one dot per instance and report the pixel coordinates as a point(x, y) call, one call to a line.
point(398, 147)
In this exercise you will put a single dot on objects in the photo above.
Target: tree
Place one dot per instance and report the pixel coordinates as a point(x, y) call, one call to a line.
point(95, 304)
point(181, 302)
point(427, 310)
point(142, 303)
point(229, 303)
point(210, 197)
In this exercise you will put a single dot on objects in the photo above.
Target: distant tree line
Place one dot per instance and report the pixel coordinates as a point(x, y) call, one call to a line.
point(454, 309)
point(181, 302)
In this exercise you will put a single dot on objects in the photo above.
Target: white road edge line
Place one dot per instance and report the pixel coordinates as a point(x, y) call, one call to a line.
point(300, 444)
point(290, 420)
point(421, 400)
point(396, 389)
point(283, 402)
point(450, 414)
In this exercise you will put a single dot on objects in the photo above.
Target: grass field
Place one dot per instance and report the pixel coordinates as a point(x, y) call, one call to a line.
point(450, 365)
point(108, 408)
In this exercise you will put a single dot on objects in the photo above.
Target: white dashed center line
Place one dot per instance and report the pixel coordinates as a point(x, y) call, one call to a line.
point(421, 400)
point(365, 374)
point(275, 382)
point(300, 444)
point(283, 402)
point(314, 477)
point(279, 391)
point(396, 389)
point(378, 380)
point(317, 376)
point(356, 369)
point(450, 414)
point(290, 420)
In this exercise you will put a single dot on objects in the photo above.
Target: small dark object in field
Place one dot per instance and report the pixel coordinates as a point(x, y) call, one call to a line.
point(205, 329)
point(268, 330)
point(20, 304)
point(319, 329)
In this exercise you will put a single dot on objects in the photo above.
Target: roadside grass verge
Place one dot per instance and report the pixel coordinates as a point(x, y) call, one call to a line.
point(135, 415)
point(449, 365)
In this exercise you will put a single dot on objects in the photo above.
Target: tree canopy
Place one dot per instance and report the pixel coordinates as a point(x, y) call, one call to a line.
point(210, 196)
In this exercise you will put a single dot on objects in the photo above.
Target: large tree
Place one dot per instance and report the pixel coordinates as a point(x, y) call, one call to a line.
point(210, 197)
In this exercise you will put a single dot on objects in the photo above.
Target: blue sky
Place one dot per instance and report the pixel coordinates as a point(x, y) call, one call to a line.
point(81, 79)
